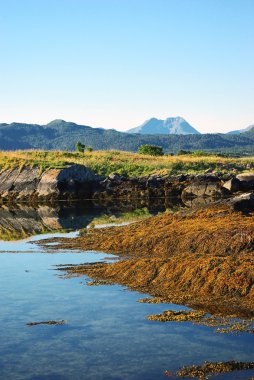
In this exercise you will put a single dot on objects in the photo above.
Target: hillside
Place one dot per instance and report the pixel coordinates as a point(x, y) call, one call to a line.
point(172, 125)
point(238, 131)
point(62, 135)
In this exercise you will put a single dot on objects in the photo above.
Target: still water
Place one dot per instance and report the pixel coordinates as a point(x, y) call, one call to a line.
point(107, 336)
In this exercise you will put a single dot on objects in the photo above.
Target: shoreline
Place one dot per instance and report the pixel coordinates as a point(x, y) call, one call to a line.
point(201, 258)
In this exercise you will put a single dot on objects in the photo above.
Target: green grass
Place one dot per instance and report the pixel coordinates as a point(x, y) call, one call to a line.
point(130, 164)
point(131, 216)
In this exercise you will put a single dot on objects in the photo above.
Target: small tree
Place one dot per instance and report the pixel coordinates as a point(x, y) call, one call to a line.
point(89, 149)
point(152, 150)
point(80, 147)
point(182, 152)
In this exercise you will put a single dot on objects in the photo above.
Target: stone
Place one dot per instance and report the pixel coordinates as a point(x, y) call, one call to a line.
point(71, 181)
point(28, 183)
point(243, 202)
point(246, 181)
point(19, 183)
point(115, 176)
point(246, 177)
point(232, 185)
point(203, 186)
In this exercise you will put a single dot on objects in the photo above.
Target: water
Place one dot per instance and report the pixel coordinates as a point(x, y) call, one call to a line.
point(106, 337)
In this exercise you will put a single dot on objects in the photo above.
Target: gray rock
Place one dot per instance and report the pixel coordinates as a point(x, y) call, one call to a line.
point(19, 183)
point(115, 176)
point(243, 202)
point(202, 187)
point(232, 185)
point(246, 181)
point(74, 180)
point(28, 183)
point(246, 177)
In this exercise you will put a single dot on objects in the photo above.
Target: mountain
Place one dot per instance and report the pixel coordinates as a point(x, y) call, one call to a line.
point(62, 135)
point(238, 131)
point(172, 125)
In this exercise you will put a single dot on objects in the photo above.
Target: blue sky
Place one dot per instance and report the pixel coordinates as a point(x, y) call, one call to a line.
point(116, 63)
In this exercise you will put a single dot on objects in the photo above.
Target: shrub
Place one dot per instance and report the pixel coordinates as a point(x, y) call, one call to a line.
point(80, 147)
point(182, 152)
point(152, 150)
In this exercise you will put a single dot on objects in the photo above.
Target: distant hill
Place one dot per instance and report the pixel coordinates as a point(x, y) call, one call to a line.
point(62, 135)
point(238, 131)
point(172, 125)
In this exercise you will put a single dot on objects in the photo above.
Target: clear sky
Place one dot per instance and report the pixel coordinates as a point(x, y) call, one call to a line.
point(116, 63)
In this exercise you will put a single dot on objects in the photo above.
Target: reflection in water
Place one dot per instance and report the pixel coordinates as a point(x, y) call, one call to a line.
point(19, 221)
point(107, 335)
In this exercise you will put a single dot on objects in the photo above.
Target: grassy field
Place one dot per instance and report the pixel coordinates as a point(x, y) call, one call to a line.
point(130, 164)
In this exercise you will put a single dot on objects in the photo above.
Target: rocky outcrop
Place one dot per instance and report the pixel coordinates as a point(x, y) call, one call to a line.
point(79, 182)
point(19, 183)
point(71, 182)
point(183, 186)
point(116, 186)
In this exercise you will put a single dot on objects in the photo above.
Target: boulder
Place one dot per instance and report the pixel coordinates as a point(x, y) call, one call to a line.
point(203, 186)
point(243, 202)
point(19, 183)
point(246, 181)
point(27, 183)
point(72, 181)
point(232, 185)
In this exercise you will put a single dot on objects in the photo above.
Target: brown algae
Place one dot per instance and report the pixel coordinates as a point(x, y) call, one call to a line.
point(209, 369)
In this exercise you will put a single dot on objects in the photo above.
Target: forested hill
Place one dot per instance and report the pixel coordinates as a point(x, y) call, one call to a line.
point(61, 135)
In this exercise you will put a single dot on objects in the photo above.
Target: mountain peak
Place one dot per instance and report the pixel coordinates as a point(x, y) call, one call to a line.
point(171, 125)
point(56, 121)
point(238, 131)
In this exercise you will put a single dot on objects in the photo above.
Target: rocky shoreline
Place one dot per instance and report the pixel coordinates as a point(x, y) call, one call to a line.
point(79, 182)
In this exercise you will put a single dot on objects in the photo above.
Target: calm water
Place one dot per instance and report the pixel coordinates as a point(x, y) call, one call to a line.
point(107, 335)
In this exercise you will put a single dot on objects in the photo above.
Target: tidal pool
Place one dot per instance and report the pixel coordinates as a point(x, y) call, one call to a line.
point(106, 337)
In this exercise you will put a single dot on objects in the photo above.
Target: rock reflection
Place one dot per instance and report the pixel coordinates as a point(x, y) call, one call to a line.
point(19, 221)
